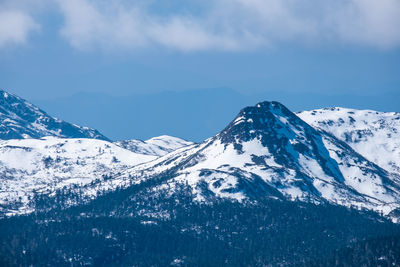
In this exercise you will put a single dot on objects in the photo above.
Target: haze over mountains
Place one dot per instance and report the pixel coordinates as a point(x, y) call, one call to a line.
point(143, 116)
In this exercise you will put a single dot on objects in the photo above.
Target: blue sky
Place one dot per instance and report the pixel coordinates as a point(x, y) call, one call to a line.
point(53, 50)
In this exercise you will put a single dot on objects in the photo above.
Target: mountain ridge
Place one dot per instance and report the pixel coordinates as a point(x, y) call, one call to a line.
point(20, 119)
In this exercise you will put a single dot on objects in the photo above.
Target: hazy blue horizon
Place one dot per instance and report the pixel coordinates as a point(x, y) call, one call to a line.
point(191, 114)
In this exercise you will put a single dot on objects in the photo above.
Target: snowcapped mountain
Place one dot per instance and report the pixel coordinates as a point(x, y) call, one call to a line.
point(31, 166)
point(156, 146)
point(373, 134)
point(267, 150)
point(20, 119)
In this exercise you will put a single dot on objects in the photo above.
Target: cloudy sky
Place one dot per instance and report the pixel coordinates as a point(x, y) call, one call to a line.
point(56, 48)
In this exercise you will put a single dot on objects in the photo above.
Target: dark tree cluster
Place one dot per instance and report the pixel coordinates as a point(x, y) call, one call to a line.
point(140, 226)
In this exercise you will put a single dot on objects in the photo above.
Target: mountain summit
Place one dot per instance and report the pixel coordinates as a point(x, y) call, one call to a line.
point(20, 119)
point(259, 120)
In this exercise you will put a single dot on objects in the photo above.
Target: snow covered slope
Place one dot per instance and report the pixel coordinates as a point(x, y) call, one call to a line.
point(156, 146)
point(20, 119)
point(44, 165)
point(373, 134)
point(269, 151)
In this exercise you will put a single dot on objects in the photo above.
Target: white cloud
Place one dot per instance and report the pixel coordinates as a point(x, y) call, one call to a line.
point(233, 24)
point(213, 24)
point(370, 22)
point(121, 26)
point(359, 22)
point(15, 27)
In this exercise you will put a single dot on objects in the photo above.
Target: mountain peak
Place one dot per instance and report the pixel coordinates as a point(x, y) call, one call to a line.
point(265, 119)
point(265, 107)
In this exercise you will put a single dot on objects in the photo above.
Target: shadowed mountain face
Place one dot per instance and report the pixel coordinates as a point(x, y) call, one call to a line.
point(20, 119)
